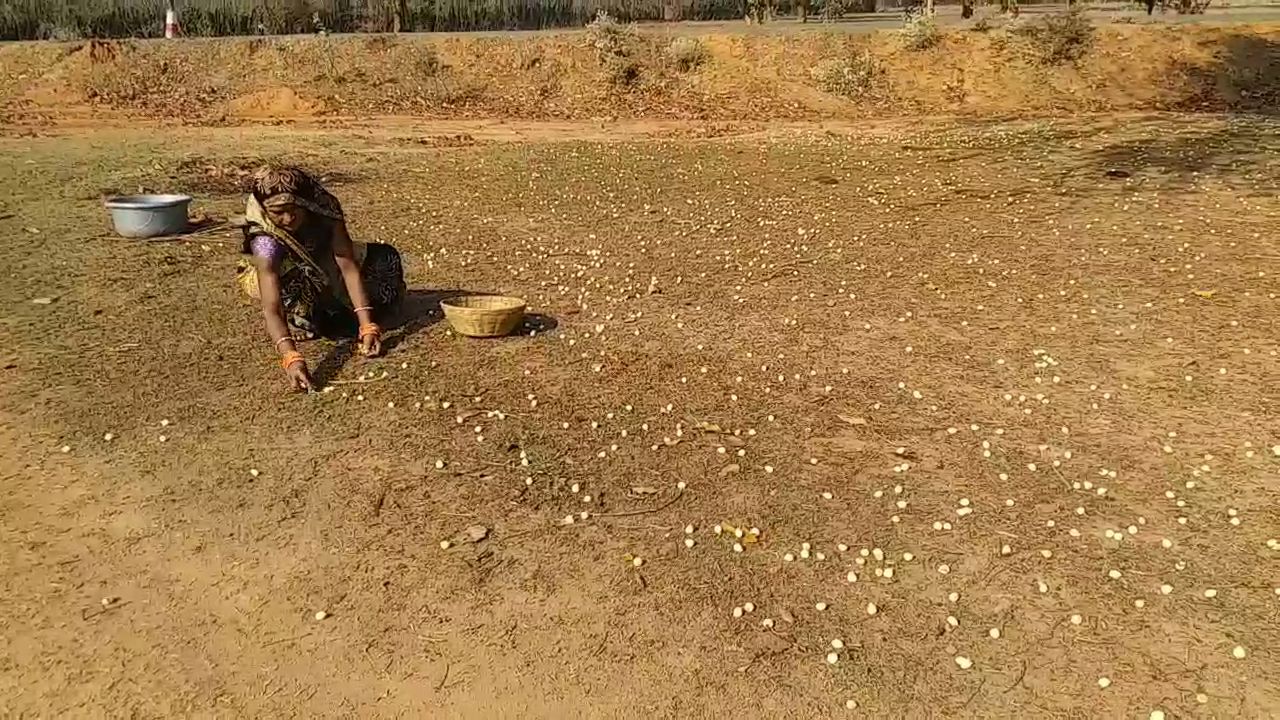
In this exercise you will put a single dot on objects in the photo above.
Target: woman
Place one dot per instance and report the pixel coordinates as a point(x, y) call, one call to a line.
point(308, 273)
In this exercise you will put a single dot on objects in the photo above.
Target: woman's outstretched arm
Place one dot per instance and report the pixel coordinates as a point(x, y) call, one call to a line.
point(268, 270)
point(344, 256)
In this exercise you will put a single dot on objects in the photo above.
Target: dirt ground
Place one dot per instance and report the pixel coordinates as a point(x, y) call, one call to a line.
point(1018, 378)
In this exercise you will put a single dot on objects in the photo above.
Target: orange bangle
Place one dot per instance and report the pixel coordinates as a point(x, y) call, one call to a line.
point(291, 358)
point(369, 329)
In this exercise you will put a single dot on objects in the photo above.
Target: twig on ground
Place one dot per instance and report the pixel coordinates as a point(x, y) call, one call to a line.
point(936, 549)
point(506, 633)
point(358, 381)
point(1065, 483)
point(448, 665)
point(206, 234)
point(604, 642)
point(627, 513)
point(84, 615)
point(381, 499)
point(1018, 680)
point(975, 692)
point(288, 639)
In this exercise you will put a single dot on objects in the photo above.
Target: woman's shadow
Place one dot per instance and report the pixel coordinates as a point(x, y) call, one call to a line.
point(419, 311)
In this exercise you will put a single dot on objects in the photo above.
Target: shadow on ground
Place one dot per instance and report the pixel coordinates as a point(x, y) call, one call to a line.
point(1244, 77)
point(537, 323)
point(420, 311)
point(1232, 140)
point(1238, 150)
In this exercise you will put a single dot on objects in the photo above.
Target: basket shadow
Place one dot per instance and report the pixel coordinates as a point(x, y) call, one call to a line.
point(536, 323)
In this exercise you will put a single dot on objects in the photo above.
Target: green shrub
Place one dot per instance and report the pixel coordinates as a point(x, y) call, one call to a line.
point(616, 45)
point(609, 37)
point(1059, 38)
point(921, 33)
point(687, 53)
point(852, 77)
point(982, 23)
point(833, 10)
point(1192, 7)
point(621, 72)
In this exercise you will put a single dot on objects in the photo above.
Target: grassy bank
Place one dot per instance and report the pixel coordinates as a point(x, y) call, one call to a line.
point(618, 71)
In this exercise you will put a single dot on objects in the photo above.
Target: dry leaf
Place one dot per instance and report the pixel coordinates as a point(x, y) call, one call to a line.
point(1206, 294)
point(644, 490)
point(853, 420)
point(730, 469)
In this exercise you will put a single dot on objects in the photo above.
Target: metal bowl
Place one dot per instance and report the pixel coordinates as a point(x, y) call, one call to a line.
point(144, 216)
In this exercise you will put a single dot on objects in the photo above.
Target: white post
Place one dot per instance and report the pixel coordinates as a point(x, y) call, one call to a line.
point(170, 22)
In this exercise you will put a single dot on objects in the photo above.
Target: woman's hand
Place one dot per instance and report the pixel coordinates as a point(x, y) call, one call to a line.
point(299, 377)
point(371, 345)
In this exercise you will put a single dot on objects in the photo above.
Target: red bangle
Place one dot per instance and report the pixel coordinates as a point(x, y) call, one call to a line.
point(291, 358)
point(370, 329)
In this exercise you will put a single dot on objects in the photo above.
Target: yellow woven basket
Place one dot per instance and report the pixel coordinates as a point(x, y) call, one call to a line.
point(483, 315)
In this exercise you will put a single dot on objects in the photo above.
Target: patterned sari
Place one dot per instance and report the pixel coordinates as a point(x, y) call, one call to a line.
point(311, 287)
